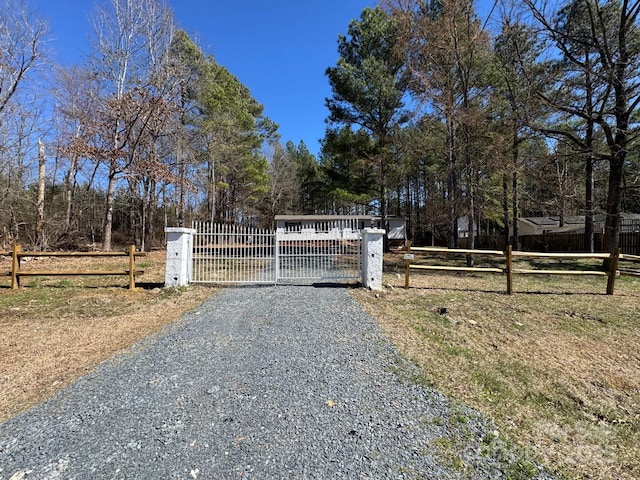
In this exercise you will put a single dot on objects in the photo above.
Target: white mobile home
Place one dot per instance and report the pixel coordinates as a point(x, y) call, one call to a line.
point(323, 223)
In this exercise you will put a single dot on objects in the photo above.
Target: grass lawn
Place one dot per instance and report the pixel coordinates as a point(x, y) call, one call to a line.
point(556, 366)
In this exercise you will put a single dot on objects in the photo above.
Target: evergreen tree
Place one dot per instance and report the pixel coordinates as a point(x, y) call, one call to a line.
point(368, 89)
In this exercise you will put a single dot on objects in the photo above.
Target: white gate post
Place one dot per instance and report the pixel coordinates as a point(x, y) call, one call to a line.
point(179, 256)
point(372, 258)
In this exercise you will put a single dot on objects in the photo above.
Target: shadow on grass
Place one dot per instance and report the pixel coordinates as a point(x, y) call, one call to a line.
point(454, 289)
point(141, 285)
point(516, 292)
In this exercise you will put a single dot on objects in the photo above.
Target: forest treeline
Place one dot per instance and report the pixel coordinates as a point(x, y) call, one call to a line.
point(437, 113)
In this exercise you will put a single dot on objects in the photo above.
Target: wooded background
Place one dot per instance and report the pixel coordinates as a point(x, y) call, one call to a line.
point(436, 114)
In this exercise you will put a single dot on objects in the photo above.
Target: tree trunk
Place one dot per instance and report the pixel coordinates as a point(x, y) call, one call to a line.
point(614, 198)
point(621, 140)
point(384, 204)
point(505, 209)
point(211, 191)
point(39, 233)
point(451, 185)
point(151, 216)
point(588, 180)
point(68, 185)
point(515, 201)
point(589, 204)
point(108, 218)
point(182, 186)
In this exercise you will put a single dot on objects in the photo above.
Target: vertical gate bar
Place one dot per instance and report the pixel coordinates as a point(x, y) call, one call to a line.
point(318, 251)
point(230, 242)
point(276, 257)
point(219, 248)
point(204, 248)
point(194, 252)
point(200, 253)
point(207, 250)
point(258, 261)
point(219, 252)
point(246, 254)
point(242, 245)
point(209, 244)
point(240, 239)
point(224, 263)
point(262, 266)
point(212, 250)
point(203, 251)
point(197, 254)
point(254, 254)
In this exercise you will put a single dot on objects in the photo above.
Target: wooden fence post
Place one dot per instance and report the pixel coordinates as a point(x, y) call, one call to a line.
point(509, 270)
point(408, 268)
point(15, 267)
point(613, 269)
point(132, 266)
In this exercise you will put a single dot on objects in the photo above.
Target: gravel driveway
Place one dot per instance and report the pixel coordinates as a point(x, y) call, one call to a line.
point(259, 382)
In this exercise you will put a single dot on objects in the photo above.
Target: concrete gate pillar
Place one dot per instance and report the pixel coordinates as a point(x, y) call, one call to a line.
point(372, 258)
point(179, 256)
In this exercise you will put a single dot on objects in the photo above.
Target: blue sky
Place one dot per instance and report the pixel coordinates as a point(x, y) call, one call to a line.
point(279, 49)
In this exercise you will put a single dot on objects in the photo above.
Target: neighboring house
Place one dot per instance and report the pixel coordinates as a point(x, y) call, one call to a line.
point(630, 222)
point(321, 223)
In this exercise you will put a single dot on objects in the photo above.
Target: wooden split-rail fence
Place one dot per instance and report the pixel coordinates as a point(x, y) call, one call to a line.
point(17, 255)
point(613, 260)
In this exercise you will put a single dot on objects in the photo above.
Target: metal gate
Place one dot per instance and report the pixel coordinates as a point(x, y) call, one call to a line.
point(328, 252)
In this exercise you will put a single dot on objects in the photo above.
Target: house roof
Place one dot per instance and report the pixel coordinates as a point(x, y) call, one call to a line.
point(325, 218)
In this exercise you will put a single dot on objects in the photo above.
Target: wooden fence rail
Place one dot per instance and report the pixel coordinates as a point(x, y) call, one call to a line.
point(611, 273)
point(17, 254)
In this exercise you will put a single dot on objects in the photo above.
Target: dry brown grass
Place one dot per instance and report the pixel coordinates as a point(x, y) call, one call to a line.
point(57, 329)
point(557, 369)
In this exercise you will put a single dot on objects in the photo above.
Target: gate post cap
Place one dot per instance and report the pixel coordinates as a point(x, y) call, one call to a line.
point(179, 230)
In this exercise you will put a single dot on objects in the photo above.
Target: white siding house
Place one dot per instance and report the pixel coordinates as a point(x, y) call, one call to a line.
point(322, 223)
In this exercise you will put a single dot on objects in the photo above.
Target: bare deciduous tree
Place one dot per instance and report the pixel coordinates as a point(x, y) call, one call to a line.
point(132, 39)
point(21, 37)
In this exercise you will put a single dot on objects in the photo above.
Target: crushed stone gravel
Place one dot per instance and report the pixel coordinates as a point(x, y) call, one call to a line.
point(286, 382)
